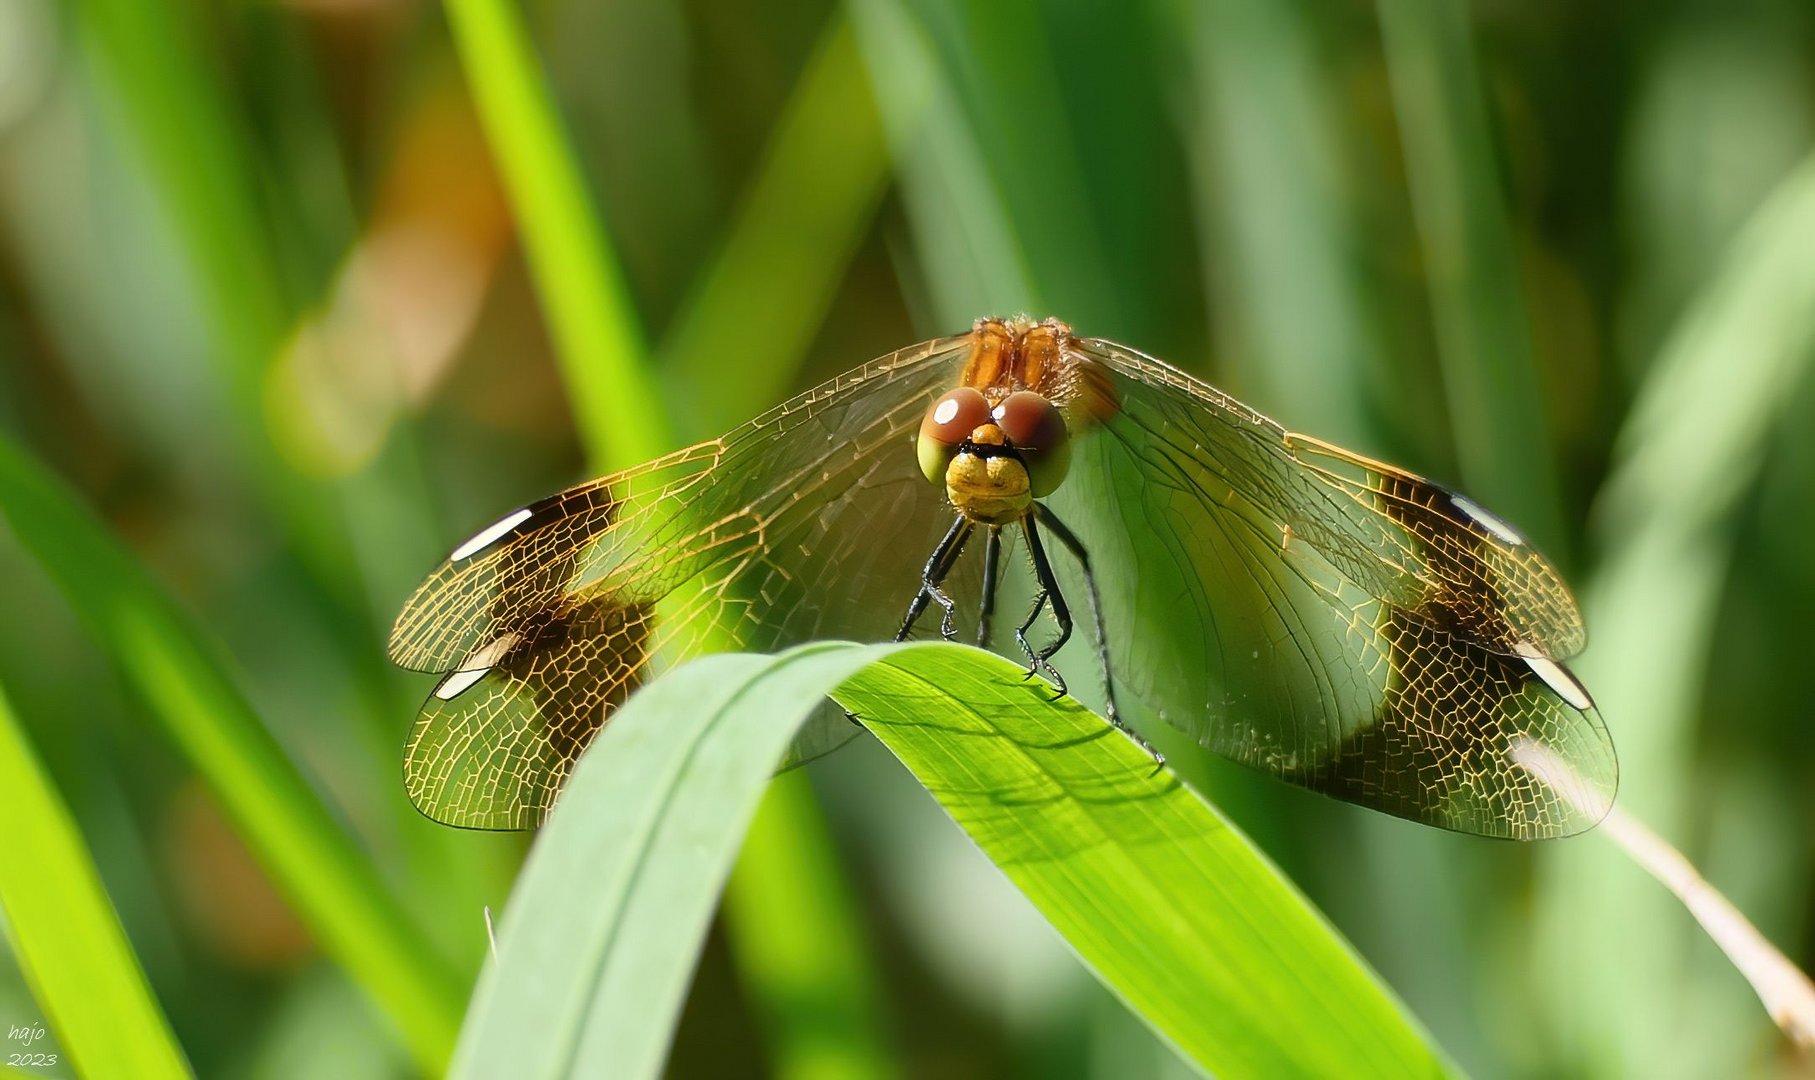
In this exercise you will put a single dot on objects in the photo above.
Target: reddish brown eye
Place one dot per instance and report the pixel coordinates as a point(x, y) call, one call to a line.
point(1030, 421)
point(949, 422)
point(955, 415)
point(1036, 429)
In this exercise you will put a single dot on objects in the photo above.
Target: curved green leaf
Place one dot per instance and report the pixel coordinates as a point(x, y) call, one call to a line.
point(1166, 903)
point(605, 923)
point(69, 941)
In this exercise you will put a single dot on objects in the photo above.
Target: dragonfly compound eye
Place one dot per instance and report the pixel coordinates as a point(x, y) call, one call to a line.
point(1036, 429)
point(948, 423)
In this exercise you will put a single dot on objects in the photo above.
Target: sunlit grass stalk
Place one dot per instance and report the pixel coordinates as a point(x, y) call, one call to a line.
point(759, 301)
point(62, 926)
point(331, 884)
point(1783, 989)
point(598, 336)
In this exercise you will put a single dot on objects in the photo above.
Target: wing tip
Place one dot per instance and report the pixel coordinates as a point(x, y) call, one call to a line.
point(1590, 798)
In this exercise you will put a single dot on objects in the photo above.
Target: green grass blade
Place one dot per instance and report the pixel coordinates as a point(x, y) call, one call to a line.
point(1483, 332)
point(777, 271)
point(1285, 252)
point(603, 928)
point(768, 288)
point(334, 888)
point(598, 336)
point(791, 921)
point(1165, 901)
point(63, 928)
point(1013, 104)
point(199, 167)
point(761, 299)
point(1170, 906)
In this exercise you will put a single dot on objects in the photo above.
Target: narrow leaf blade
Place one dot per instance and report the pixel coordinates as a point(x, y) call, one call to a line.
point(69, 941)
point(333, 886)
point(1168, 905)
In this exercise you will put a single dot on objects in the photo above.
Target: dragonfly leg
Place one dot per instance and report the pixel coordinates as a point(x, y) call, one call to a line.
point(992, 567)
point(1036, 663)
point(1033, 658)
point(1061, 611)
point(1072, 544)
point(944, 557)
point(948, 622)
point(1050, 594)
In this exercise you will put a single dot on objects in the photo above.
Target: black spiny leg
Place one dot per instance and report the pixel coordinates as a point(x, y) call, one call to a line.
point(1070, 540)
point(1049, 595)
point(944, 557)
point(992, 566)
point(1033, 658)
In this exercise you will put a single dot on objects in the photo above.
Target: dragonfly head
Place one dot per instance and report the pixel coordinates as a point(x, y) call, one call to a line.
point(994, 461)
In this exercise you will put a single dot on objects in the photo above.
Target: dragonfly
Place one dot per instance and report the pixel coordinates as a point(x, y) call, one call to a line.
point(1324, 618)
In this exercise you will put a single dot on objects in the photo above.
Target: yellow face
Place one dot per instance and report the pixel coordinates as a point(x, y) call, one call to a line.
point(994, 462)
point(988, 484)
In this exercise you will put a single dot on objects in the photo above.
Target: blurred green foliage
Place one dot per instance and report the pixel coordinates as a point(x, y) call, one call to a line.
point(276, 300)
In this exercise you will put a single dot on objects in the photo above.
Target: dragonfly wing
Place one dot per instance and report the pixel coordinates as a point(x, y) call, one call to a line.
point(1330, 621)
point(812, 521)
point(492, 746)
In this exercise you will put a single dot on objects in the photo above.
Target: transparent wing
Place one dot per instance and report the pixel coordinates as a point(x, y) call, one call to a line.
point(545, 621)
point(493, 745)
point(1330, 620)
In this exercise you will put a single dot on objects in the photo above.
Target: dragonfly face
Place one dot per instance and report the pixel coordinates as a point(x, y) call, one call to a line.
point(996, 443)
point(1327, 619)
